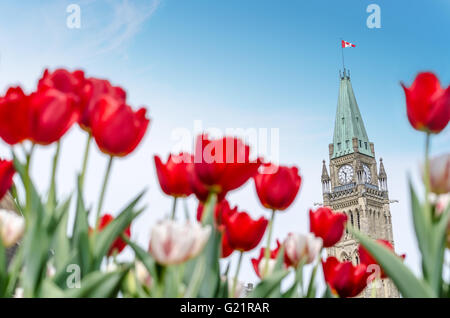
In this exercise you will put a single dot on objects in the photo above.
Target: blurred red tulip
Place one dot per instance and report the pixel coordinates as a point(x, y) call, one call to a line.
point(367, 259)
point(345, 279)
point(277, 190)
point(328, 225)
point(116, 128)
point(69, 83)
point(119, 244)
point(93, 90)
point(173, 176)
point(197, 187)
point(6, 176)
point(227, 250)
point(427, 103)
point(223, 164)
point(14, 116)
point(52, 113)
point(244, 233)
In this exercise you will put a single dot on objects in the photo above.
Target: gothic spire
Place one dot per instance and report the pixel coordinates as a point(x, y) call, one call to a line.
point(349, 131)
point(325, 176)
point(382, 173)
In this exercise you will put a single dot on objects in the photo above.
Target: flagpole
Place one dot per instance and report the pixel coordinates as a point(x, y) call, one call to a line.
point(342, 50)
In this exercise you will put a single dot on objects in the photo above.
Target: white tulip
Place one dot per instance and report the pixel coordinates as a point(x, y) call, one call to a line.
point(175, 243)
point(12, 227)
point(299, 246)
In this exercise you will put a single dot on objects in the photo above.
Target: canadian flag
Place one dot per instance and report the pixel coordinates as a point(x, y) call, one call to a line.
point(347, 44)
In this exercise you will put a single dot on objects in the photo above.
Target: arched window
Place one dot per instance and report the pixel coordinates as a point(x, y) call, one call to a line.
point(358, 219)
point(351, 218)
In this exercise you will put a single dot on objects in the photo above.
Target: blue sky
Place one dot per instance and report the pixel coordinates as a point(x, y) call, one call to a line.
point(237, 64)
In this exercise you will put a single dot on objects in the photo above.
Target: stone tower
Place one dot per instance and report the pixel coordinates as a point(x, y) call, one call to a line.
point(354, 185)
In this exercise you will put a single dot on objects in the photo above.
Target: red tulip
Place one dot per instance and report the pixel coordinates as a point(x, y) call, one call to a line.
point(260, 263)
point(244, 233)
point(69, 83)
point(227, 250)
point(327, 225)
point(173, 176)
point(116, 128)
point(52, 113)
point(6, 176)
point(93, 90)
point(14, 116)
point(197, 187)
point(427, 103)
point(345, 279)
point(277, 190)
point(223, 165)
point(222, 211)
point(119, 244)
point(367, 259)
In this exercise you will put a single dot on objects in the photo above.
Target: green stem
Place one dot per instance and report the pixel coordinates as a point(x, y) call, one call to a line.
point(233, 290)
point(427, 177)
point(208, 208)
point(267, 250)
point(102, 193)
point(85, 160)
point(52, 192)
point(174, 208)
point(28, 180)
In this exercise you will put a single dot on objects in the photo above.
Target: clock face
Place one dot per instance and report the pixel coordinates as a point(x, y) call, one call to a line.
point(345, 174)
point(367, 172)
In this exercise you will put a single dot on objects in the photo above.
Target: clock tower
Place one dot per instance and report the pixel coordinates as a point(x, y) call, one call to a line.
point(355, 186)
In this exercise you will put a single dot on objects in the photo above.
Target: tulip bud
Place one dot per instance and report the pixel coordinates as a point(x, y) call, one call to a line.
point(51, 271)
point(12, 227)
point(175, 243)
point(299, 246)
point(142, 274)
point(440, 174)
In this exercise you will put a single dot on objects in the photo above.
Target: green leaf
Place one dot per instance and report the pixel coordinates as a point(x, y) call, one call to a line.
point(3, 269)
point(400, 274)
point(50, 290)
point(61, 242)
point(144, 257)
point(211, 275)
point(105, 238)
point(298, 281)
point(311, 292)
point(80, 236)
point(268, 285)
point(197, 278)
point(439, 236)
point(99, 285)
point(422, 228)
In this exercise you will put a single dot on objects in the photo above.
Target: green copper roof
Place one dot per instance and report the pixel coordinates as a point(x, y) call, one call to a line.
point(349, 123)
